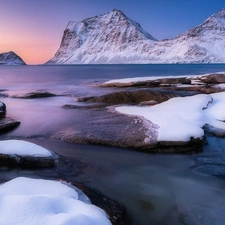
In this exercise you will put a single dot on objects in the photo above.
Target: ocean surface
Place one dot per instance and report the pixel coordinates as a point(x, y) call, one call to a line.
point(156, 189)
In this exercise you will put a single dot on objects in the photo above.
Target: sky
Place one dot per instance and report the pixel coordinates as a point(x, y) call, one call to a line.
point(33, 28)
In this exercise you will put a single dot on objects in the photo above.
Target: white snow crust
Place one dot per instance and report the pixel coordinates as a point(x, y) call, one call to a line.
point(182, 118)
point(23, 148)
point(36, 202)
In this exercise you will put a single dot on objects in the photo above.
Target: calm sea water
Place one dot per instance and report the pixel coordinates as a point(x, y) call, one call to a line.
point(155, 189)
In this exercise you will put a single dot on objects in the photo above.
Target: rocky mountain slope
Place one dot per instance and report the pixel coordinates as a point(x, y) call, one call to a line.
point(10, 58)
point(115, 38)
point(204, 43)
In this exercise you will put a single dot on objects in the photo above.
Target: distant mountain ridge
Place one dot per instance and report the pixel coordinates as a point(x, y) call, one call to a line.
point(115, 38)
point(10, 58)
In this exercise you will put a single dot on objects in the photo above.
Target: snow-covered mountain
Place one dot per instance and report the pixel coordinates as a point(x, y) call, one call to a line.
point(115, 38)
point(10, 58)
point(108, 38)
point(204, 43)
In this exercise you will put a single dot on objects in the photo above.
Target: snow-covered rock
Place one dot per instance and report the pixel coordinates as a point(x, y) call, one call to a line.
point(183, 118)
point(37, 201)
point(115, 38)
point(23, 153)
point(10, 58)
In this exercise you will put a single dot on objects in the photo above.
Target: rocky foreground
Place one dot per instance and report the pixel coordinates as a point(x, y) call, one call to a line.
point(198, 100)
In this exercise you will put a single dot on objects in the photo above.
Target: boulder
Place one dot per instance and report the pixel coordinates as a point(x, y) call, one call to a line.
point(18, 153)
point(2, 110)
point(8, 124)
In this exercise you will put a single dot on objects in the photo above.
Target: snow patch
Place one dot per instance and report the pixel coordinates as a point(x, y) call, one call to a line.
point(37, 201)
point(23, 148)
point(182, 118)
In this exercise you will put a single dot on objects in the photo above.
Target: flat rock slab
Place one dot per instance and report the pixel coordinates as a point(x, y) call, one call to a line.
point(106, 127)
point(37, 94)
point(132, 97)
point(202, 84)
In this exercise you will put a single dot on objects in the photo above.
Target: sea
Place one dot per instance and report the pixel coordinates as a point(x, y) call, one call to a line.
point(156, 189)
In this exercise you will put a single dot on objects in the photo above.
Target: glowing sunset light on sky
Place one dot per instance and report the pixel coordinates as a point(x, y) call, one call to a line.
point(34, 29)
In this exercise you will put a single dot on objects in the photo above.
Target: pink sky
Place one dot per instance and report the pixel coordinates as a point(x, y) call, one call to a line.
point(33, 29)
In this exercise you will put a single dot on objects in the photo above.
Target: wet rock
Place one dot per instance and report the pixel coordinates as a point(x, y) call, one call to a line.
point(115, 210)
point(37, 94)
point(8, 124)
point(132, 97)
point(2, 110)
point(215, 131)
point(175, 80)
point(2, 107)
point(213, 78)
point(26, 161)
point(86, 106)
point(107, 128)
point(203, 84)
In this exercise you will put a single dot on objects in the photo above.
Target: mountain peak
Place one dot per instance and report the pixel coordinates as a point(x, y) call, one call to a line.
point(220, 14)
point(10, 58)
point(102, 35)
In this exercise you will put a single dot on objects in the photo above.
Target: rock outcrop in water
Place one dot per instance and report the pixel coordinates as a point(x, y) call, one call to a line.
point(6, 123)
point(11, 58)
point(108, 127)
point(115, 38)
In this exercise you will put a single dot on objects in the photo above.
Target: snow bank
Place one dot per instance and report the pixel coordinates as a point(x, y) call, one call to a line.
point(23, 148)
point(37, 201)
point(182, 118)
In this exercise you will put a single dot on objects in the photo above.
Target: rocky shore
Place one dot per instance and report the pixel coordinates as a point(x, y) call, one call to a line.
point(110, 127)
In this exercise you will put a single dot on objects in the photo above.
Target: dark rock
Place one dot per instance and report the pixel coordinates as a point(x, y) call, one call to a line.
point(175, 80)
point(2, 110)
point(213, 78)
point(8, 124)
point(38, 94)
point(2, 107)
point(115, 210)
point(132, 97)
point(86, 106)
point(26, 161)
